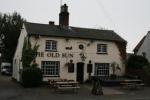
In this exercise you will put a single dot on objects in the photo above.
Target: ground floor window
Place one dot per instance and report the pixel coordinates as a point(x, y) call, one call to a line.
point(102, 69)
point(50, 68)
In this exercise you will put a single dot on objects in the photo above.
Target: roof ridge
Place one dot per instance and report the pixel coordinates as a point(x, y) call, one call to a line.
point(74, 27)
point(36, 23)
point(75, 32)
point(92, 28)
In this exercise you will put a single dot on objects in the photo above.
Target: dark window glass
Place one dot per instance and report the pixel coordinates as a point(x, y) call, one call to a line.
point(102, 69)
point(50, 68)
point(51, 45)
point(101, 48)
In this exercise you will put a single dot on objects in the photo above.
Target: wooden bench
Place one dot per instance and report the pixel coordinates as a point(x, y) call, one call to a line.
point(132, 85)
point(140, 85)
point(52, 82)
point(67, 85)
point(131, 76)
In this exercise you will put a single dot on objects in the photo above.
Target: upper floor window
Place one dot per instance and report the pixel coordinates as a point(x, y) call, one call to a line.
point(102, 48)
point(51, 45)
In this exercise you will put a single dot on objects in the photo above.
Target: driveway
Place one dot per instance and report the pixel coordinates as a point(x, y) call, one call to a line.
point(10, 90)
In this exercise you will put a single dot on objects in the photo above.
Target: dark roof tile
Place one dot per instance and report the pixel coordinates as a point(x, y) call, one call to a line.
point(71, 32)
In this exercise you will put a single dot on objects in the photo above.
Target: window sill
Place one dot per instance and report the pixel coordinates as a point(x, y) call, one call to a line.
point(51, 50)
point(105, 53)
point(70, 72)
point(50, 76)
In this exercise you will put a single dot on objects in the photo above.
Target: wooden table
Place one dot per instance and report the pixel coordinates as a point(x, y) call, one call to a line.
point(132, 84)
point(67, 85)
point(132, 80)
point(52, 82)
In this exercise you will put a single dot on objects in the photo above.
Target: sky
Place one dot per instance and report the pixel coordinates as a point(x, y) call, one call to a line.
point(128, 18)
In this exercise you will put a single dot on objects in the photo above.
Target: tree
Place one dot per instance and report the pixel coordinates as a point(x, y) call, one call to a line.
point(146, 75)
point(31, 75)
point(10, 27)
point(138, 66)
point(29, 54)
point(137, 62)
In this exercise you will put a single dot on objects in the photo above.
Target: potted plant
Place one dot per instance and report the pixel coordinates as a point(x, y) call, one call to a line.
point(114, 67)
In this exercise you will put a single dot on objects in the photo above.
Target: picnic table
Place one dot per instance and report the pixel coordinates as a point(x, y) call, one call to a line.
point(132, 83)
point(52, 82)
point(65, 84)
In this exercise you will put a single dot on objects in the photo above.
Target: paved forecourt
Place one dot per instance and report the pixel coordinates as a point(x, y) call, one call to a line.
point(10, 90)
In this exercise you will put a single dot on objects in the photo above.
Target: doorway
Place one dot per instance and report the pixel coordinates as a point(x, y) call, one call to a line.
point(80, 72)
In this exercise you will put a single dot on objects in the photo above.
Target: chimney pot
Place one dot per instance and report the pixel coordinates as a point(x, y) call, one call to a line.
point(51, 23)
point(64, 16)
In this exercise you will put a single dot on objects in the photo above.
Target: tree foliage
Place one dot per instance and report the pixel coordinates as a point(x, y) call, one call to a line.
point(147, 70)
point(137, 62)
point(10, 27)
point(31, 75)
point(29, 54)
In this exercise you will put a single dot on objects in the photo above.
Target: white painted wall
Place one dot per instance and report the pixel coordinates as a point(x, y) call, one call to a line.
point(145, 47)
point(18, 54)
point(90, 51)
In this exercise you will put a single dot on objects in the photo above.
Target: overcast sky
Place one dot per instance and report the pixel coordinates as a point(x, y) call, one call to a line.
point(129, 18)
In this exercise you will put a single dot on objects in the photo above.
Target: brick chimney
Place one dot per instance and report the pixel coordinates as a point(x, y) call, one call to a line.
point(64, 16)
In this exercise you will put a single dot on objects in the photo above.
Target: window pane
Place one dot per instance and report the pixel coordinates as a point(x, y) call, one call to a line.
point(104, 48)
point(50, 68)
point(102, 69)
point(101, 48)
point(51, 45)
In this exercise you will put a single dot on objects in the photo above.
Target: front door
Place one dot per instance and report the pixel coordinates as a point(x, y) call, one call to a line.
point(80, 72)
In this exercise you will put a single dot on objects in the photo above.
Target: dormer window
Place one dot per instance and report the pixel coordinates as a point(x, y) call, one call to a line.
point(102, 48)
point(51, 45)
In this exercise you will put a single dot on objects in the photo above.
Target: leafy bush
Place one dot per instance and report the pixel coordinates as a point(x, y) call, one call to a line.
point(139, 66)
point(31, 77)
point(137, 62)
point(147, 74)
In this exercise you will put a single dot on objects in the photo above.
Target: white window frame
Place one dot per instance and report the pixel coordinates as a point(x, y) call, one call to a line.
point(102, 69)
point(102, 48)
point(50, 68)
point(50, 45)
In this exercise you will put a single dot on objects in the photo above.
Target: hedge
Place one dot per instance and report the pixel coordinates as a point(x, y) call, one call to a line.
point(31, 77)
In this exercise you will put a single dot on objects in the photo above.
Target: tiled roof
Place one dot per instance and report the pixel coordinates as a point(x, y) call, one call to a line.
point(71, 32)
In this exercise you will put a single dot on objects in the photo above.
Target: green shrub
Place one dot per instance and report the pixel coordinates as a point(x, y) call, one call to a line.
point(147, 74)
point(31, 77)
point(139, 66)
point(137, 62)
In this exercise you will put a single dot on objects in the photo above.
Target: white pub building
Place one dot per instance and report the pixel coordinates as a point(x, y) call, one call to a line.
point(71, 52)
